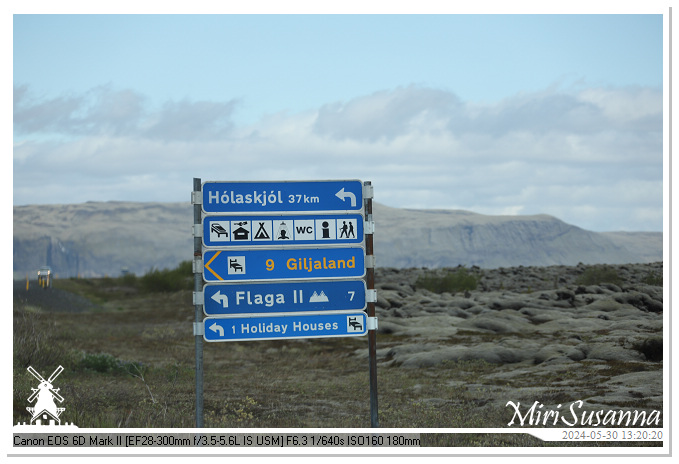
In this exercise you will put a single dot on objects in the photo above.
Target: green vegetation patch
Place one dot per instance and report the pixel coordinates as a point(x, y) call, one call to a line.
point(459, 281)
point(596, 275)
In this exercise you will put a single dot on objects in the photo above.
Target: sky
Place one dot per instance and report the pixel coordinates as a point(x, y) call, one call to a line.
point(499, 114)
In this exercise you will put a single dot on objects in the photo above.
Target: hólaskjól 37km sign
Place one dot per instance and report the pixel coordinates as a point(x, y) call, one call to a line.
point(283, 264)
point(282, 230)
point(225, 329)
point(282, 196)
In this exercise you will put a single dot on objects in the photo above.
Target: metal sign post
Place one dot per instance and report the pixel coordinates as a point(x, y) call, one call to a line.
point(198, 310)
point(372, 334)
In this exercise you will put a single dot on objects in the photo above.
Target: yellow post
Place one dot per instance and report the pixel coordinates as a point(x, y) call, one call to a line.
point(26, 282)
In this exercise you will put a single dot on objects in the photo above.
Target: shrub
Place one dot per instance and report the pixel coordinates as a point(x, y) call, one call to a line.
point(128, 280)
point(653, 279)
point(596, 275)
point(453, 282)
point(104, 363)
point(169, 280)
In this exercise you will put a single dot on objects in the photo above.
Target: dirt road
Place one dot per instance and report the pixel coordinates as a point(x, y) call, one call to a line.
point(49, 299)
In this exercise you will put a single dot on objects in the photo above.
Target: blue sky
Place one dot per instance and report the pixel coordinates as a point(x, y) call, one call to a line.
point(497, 114)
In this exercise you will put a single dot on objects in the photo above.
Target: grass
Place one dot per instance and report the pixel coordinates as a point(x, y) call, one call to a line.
point(130, 363)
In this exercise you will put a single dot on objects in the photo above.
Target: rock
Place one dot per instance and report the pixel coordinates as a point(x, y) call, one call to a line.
point(561, 342)
point(639, 300)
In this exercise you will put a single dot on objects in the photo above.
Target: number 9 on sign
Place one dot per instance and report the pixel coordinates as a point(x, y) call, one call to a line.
point(269, 264)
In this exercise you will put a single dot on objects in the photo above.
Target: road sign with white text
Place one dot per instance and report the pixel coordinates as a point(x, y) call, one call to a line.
point(284, 297)
point(282, 196)
point(283, 230)
point(225, 329)
point(283, 264)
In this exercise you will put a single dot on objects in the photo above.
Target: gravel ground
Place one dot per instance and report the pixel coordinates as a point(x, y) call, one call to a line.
point(50, 299)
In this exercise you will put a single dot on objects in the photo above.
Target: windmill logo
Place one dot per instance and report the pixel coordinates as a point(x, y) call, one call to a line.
point(45, 411)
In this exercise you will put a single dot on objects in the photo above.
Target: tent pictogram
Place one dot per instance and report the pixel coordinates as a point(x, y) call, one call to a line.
point(262, 234)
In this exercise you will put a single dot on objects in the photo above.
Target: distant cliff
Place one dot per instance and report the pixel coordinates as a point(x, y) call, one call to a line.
point(441, 238)
point(97, 239)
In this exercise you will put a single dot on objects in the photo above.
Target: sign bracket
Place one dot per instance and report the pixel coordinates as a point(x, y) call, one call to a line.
point(198, 329)
point(369, 227)
point(370, 261)
point(197, 198)
point(368, 191)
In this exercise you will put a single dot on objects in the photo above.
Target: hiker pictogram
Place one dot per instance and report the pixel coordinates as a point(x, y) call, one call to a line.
point(347, 231)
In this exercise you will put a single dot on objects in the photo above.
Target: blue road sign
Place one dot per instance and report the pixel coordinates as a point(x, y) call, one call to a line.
point(283, 230)
point(283, 264)
point(225, 329)
point(282, 196)
point(284, 297)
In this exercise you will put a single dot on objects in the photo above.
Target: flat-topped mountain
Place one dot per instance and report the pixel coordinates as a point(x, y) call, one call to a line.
point(107, 238)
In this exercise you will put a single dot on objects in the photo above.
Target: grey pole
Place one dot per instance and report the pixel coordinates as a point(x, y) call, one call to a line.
point(198, 310)
point(372, 334)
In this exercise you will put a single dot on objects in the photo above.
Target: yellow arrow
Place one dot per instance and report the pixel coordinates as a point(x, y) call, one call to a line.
point(207, 266)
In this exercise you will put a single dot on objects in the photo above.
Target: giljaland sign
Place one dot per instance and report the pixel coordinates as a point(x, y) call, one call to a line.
point(226, 329)
point(283, 264)
point(283, 297)
point(293, 196)
point(282, 230)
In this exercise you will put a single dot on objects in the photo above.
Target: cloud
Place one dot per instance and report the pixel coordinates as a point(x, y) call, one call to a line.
point(388, 115)
point(124, 113)
point(584, 156)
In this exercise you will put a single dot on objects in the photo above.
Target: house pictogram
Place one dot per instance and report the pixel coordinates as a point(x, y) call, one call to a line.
point(241, 233)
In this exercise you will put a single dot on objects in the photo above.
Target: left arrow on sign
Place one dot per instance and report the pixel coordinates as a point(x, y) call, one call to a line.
point(223, 299)
point(342, 195)
point(217, 328)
